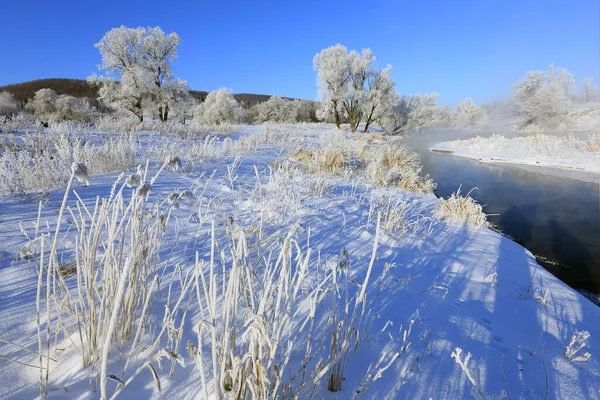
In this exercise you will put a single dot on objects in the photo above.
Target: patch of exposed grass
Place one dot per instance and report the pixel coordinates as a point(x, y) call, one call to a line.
point(462, 208)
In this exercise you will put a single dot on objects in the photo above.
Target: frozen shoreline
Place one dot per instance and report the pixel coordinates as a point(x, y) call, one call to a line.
point(585, 168)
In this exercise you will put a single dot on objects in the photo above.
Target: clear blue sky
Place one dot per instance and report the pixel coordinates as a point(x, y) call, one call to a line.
point(456, 48)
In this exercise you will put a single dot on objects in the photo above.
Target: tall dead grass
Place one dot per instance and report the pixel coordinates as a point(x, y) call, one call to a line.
point(382, 165)
point(462, 208)
point(42, 161)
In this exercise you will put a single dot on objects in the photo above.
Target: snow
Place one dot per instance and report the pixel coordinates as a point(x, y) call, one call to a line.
point(454, 285)
point(581, 164)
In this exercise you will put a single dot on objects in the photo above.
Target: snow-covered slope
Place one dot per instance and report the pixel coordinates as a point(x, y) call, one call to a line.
point(433, 285)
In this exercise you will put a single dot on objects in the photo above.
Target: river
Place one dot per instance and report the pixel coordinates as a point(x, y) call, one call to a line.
point(557, 219)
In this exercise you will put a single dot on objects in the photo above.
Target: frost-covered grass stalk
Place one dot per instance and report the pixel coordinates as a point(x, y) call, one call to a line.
point(464, 366)
point(384, 164)
point(251, 319)
point(346, 322)
point(462, 208)
point(107, 300)
point(41, 162)
point(575, 345)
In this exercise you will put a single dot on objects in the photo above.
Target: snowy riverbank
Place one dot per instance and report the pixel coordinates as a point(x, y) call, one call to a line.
point(429, 285)
point(566, 156)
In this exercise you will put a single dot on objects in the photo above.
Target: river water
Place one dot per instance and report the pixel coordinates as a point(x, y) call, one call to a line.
point(555, 218)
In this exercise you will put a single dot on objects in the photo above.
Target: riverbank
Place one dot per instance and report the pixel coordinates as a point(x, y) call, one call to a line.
point(305, 246)
point(528, 154)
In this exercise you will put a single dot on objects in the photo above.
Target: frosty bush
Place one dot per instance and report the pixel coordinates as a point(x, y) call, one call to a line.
point(280, 110)
point(543, 98)
point(74, 109)
point(219, 107)
point(19, 122)
point(462, 208)
point(382, 165)
point(43, 106)
point(8, 106)
point(415, 113)
point(593, 143)
point(390, 165)
point(469, 114)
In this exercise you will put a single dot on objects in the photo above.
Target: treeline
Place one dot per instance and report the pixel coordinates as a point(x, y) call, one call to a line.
point(136, 82)
point(79, 88)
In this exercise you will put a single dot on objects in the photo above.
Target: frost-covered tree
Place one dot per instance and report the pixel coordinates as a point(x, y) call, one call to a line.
point(589, 90)
point(179, 98)
point(73, 109)
point(541, 99)
point(8, 105)
point(360, 72)
point(137, 69)
point(47, 107)
point(564, 79)
point(350, 86)
point(219, 107)
point(280, 110)
point(380, 97)
point(128, 94)
point(446, 116)
point(159, 51)
point(415, 113)
point(469, 114)
point(276, 109)
point(43, 106)
point(333, 72)
point(305, 110)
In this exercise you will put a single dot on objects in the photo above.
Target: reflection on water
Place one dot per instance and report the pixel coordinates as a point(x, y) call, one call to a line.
point(556, 218)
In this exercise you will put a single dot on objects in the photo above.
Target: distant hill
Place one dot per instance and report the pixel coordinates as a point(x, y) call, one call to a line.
point(74, 87)
point(81, 88)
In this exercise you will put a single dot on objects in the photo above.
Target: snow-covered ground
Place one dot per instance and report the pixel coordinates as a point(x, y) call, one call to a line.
point(431, 286)
point(577, 155)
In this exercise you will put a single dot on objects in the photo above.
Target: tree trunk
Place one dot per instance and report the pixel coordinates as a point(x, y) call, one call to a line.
point(336, 114)
point(163, 113)
point(367, 126)
point(160, 114)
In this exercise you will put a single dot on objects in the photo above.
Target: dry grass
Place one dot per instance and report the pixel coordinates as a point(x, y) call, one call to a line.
point(42, 161)
point(399, 156)
point(462, 208)
point(329, 159)
point(379, 174)
point(593, 143)
point(303, 156)
point(382, 165)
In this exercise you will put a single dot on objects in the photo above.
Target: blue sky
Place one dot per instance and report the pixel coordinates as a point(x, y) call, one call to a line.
point(459, 49)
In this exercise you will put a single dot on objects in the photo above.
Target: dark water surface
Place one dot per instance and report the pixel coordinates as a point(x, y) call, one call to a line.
point(555, 218)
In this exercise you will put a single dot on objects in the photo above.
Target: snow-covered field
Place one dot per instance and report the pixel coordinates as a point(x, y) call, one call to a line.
point(254, 270)
point(565, 152)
